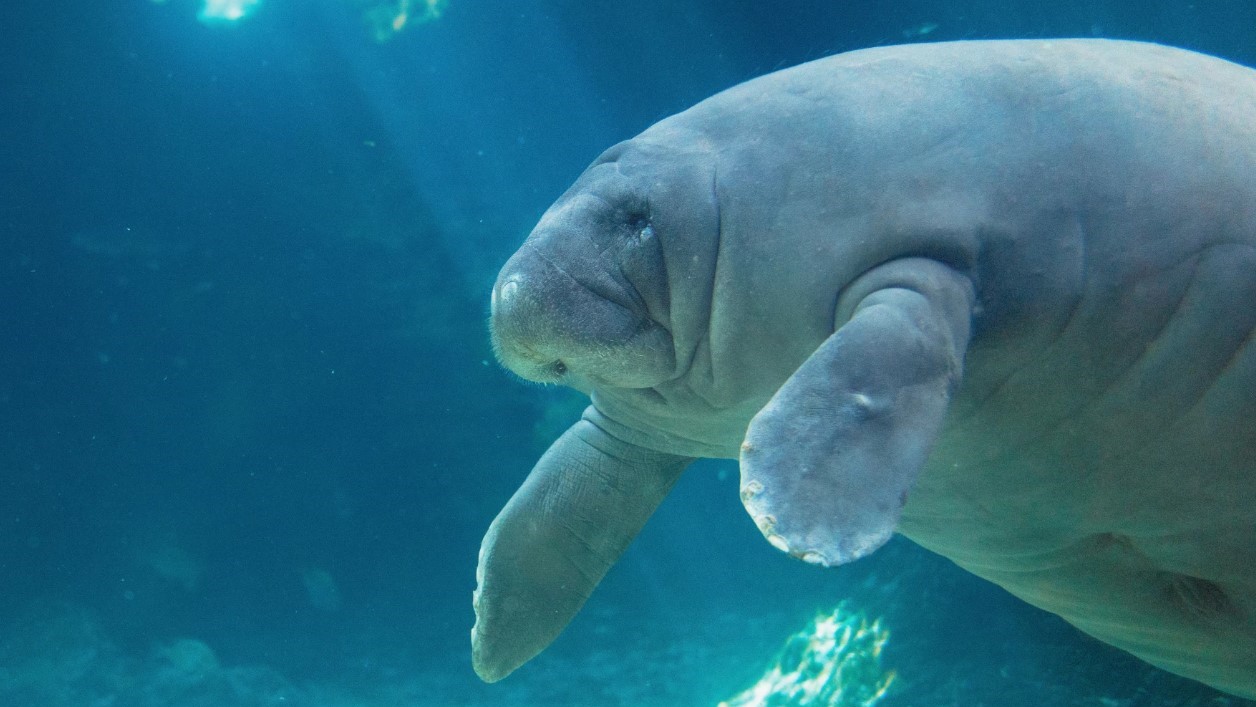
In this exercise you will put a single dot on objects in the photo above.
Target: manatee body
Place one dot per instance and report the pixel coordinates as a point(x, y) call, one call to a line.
point(996, 296)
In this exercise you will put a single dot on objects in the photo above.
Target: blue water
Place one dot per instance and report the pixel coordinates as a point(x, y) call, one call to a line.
point(251, 430)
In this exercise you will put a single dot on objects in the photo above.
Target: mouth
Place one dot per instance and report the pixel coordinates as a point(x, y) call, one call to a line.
point(641, 359)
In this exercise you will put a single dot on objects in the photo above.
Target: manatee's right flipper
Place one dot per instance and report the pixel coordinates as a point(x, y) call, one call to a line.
point(584, 502)
point(827, 464)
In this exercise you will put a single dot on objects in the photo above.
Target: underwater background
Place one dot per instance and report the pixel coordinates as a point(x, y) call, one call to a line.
point(251, 429)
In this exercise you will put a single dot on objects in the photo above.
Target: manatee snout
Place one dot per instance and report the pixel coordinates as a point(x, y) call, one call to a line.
point(522, 323)
point(550, 326)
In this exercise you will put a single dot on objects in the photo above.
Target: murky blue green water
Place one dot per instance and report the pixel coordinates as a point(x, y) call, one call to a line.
point(251, 429)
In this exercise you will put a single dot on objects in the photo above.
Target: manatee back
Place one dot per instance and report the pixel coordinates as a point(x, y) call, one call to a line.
point(1024, 162)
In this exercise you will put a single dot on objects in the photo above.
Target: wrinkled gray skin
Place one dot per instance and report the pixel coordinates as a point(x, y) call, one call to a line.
point(796, 272)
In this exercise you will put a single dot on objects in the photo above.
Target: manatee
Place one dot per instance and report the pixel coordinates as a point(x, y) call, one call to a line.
point(996, 296)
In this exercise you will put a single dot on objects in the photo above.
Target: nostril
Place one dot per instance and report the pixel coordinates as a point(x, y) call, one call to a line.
point(503, 294)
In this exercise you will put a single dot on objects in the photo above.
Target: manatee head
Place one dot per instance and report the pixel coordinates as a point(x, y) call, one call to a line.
point(589, 299)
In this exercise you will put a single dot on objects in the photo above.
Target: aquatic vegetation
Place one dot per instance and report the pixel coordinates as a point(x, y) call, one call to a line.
point(834, 662)
point(386, 19)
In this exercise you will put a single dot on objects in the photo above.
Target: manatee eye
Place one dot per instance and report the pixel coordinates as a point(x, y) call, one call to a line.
point(559, 368)
point(641, 229)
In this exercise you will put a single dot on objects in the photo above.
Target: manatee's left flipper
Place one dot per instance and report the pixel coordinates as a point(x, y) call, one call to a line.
point(827, 464)
point(583, 503)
